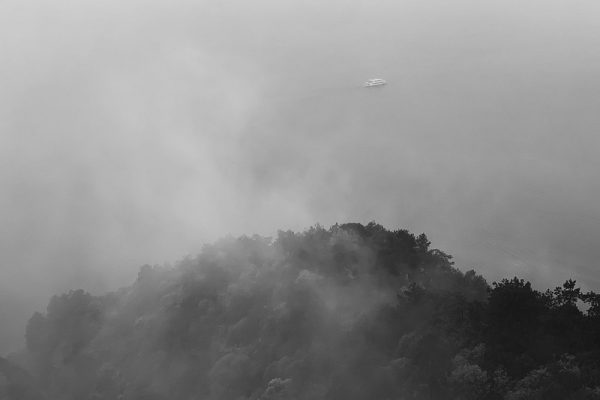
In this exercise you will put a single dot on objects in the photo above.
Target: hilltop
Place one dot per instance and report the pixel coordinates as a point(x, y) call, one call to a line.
point(350, 312)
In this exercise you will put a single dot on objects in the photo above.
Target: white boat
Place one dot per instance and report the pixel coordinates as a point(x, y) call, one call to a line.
point(375, 82)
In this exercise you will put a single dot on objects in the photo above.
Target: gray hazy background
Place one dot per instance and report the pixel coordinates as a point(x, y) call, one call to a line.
point(132, 132)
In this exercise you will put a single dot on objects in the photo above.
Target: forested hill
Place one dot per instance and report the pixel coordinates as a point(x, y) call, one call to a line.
point(351, 312)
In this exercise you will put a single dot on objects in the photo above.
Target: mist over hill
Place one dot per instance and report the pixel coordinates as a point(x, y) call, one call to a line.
point(131, 132)
point(349, 312)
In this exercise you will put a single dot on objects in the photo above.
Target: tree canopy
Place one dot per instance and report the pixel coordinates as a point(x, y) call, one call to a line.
point(350, 312)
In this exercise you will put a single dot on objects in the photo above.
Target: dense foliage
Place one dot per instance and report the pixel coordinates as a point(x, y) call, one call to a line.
point(350, 312)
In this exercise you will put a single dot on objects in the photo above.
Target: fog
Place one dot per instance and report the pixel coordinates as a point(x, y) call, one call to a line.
point(133, 132)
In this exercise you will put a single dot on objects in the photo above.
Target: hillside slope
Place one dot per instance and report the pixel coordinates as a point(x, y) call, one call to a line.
point(350, 312)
